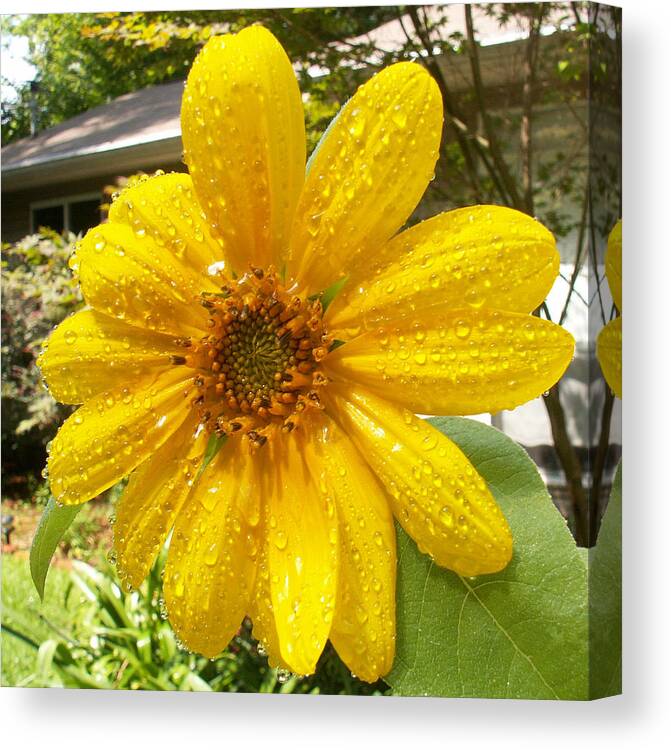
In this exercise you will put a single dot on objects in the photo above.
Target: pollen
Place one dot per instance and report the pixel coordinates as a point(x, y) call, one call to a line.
point(257, 368)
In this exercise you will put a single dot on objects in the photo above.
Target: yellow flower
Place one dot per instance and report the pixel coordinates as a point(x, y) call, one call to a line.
point(208, 326)
point(609, 340)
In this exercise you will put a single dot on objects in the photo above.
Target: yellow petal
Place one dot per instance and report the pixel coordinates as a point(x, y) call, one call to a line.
point(132, 278)
point(90, 352)
point(113, 433)
point(609, 354)
point(244, 139)
point(457, 362)
point(367, 174)
point(483, 256)
point(146, 511)
point(436, 494)
point(261, 607)
point(302, 544)
point(364, 626)
point(614, 264)
point(164, 209)
point(209, 574)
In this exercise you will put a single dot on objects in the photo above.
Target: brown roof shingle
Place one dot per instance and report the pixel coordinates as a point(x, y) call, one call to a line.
point(150, 114)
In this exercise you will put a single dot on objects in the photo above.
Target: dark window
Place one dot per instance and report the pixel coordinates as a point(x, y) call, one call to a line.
point(84, 215)
point(49, 216)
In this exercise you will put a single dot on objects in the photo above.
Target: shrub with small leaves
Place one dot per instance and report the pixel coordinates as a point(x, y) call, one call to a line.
point(38, 291)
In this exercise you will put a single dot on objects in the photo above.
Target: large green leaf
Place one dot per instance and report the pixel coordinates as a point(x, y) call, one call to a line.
point(605, 600)
point(520, 633)
point(54, 523)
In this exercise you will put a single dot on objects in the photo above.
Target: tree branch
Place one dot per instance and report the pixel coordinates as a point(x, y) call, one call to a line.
point(577, 264)
point(526, 142)
point(433, 67)
point(570, 464)
point(494, 149)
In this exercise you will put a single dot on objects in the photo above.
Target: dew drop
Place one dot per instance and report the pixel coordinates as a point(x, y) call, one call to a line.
point(211, 555)
point(462, 329)
point(399, 117)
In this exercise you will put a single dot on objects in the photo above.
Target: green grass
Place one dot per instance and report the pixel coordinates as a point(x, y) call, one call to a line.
point(89, 632)
point(22, 609)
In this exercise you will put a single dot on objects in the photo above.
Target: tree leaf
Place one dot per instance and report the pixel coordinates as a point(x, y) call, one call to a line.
point(605, 600)
point(519, 633)
point(54, 523)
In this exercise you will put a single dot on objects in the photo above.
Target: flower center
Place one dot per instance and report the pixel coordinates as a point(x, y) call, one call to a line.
point(259, 364)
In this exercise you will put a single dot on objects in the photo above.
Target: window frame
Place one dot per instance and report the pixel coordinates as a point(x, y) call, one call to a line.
point(64, 201)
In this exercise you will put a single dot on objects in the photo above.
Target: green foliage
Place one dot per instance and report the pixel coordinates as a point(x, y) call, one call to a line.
point(87, 537)
point(520, 633)
point(117, 639)
point(38, 292)
point(55, 521)
point(605, 599)
point(75, 71)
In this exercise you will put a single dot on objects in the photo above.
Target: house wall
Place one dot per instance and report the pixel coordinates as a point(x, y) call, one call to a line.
point(15, 221)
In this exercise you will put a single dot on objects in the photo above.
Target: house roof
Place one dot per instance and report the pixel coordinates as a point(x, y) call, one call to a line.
point(127, 130)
